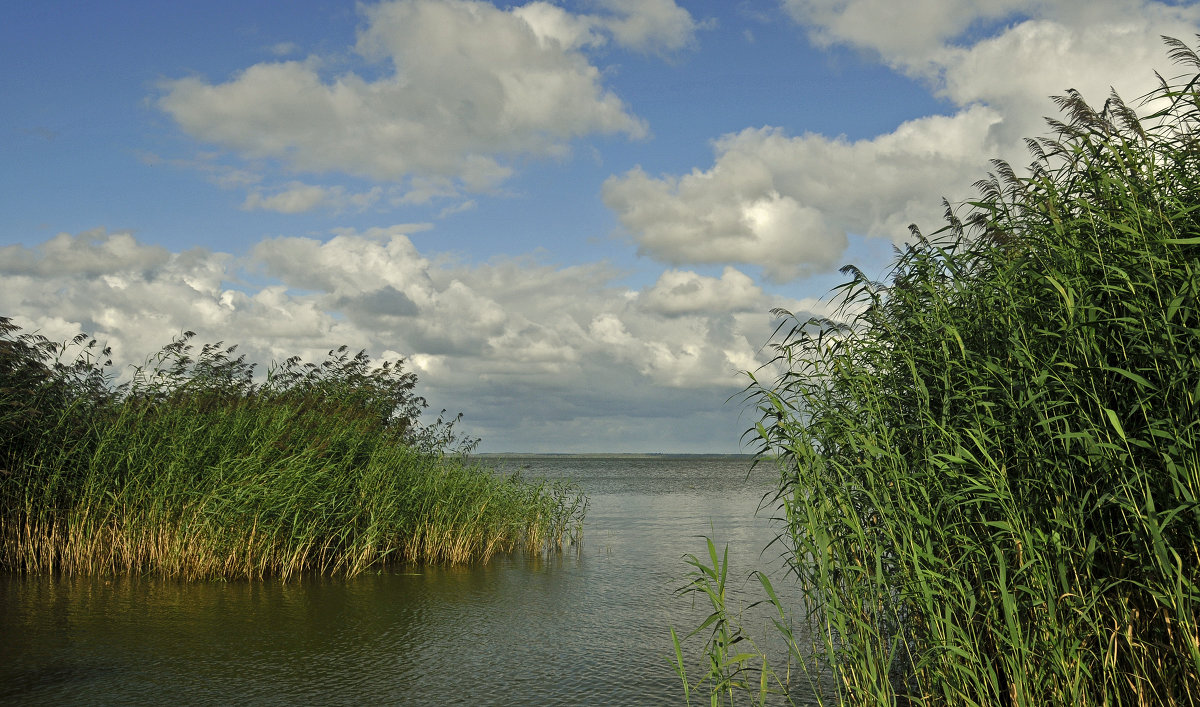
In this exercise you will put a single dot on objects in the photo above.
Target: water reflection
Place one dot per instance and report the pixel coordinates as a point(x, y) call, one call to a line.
point(578, 628)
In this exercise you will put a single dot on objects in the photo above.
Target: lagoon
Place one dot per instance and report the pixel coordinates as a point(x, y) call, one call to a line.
point(585, 627)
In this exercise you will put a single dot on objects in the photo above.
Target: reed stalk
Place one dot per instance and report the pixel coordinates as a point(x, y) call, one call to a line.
point(195, 470)
point(990, 463)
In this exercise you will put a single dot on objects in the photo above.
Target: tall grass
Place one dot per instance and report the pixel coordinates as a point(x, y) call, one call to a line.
point(195, 470)
point(990, 469)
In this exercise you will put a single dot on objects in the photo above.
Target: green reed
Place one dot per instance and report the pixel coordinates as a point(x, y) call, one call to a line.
point(990, 467)
point(194, 469)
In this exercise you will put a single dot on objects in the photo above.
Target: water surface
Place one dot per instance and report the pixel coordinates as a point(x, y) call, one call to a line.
point(580, 628)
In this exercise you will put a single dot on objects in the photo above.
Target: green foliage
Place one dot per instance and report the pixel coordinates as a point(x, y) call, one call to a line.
point(36, 386)
point(729, 671)
point(193, 469)
point(990, 469)
point(735, 665)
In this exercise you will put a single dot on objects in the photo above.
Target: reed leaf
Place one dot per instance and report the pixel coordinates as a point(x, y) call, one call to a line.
point(989, 468)
point(194, 469)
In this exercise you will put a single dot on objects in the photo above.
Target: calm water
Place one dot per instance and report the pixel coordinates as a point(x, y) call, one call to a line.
point(586, 628)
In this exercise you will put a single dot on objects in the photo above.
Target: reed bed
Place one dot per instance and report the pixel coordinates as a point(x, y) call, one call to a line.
point(194, 470)
point(990, 467)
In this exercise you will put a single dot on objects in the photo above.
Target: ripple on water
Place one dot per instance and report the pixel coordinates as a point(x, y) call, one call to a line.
point(578, 628)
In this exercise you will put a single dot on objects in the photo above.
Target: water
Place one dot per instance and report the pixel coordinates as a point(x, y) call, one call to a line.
point(581, 628)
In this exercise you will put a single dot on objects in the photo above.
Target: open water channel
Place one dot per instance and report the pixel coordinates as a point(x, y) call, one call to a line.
point(587, 627)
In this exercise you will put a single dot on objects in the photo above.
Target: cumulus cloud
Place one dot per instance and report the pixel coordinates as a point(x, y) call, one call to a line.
point(555, 26)
point(463, 88)
point(517, 344)
point(915, 36)
point(652, 26)
point(683, 292)
point(899, 31)
point(91, 253)
point(649, 25)
point(1009, 70)
point(1038, 48)
point(786, 203)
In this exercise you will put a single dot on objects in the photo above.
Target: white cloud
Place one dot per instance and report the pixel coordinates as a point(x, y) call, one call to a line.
point(298, 197)
point(651, 26)
point(516, 344)
point(1010, 70)
point(552, 24)
point(458, 208)
point(465, 89)
point(91, 253)
point(900, 31)
point(683, 292)
point(914, 36)
point(786, 203)
point(1041, 47)
point(295, 198)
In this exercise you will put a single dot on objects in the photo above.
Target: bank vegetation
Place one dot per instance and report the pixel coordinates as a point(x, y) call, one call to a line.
point(194, 468)
point(990, 463)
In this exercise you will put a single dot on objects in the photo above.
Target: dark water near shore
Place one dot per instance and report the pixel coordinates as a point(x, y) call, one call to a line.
point(581, 628)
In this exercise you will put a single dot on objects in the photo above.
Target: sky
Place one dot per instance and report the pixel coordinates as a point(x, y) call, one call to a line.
point(571, 219)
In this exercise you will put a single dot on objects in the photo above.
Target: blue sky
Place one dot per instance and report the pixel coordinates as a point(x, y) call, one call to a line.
point(571, 217)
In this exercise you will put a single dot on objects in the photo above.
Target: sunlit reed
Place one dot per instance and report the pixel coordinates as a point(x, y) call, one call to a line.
point(990, 468)
point(195, 470)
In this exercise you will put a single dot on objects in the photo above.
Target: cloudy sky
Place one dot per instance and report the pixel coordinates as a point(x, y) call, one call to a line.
point(571, 217)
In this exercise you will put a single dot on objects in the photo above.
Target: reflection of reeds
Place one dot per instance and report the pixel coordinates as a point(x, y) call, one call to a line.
point(991, 474)
point(195, 471)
